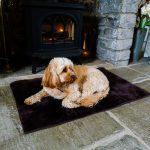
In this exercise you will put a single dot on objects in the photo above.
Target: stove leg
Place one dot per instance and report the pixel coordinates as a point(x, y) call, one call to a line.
point(33, 69)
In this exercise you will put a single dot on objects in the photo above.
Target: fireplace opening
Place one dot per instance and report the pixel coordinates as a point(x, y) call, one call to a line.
point(57, 29)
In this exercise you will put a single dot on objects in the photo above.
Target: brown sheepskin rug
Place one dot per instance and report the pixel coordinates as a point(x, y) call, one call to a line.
point(50, 112)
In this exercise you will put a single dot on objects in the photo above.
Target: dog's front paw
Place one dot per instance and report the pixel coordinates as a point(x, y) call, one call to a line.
point(68, 104)
point(30, 101)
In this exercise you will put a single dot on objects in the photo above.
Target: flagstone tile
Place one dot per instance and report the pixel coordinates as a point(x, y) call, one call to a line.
point(125, 143)
point(136, 116)
point(144, 85)
point(129, 74)
point(142, 67)
point(9, 120)
point(99, 63)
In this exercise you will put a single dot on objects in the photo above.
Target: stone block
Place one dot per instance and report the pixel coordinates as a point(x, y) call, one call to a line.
point(114, 44)
point(98, 63)
point(125, 143)
point(110, 6)
point(9, 119)
point(130, 6)
point(118, 20)
point(136, 116)
point(120, 63)
point(113, 55)
point(118, 6)
point(115, 33)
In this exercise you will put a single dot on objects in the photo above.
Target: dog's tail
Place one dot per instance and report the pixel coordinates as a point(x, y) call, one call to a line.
point(93, 99)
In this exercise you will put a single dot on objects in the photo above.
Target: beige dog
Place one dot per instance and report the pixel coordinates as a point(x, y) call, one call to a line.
point(75, 85)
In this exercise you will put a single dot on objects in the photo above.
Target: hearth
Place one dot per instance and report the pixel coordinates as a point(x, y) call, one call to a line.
point(53, 29)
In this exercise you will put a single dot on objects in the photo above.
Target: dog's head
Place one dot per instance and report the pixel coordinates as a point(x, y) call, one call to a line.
point(60, 71)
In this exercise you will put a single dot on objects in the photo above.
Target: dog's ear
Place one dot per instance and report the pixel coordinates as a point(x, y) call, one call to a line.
point(47, 77)
point(50, 78)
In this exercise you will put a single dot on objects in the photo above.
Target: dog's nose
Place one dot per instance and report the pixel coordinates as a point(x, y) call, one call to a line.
point(73, 77)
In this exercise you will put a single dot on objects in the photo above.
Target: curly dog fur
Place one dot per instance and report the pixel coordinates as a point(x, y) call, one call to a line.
point(75, 85)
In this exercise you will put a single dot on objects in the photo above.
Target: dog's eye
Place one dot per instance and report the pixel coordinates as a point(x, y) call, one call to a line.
point(71, 68)
point(65, 69)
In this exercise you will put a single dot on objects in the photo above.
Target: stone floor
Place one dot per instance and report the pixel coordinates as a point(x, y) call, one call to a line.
point(123, 128)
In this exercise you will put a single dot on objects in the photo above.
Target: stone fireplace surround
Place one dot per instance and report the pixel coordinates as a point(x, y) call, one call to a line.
point(116, 26)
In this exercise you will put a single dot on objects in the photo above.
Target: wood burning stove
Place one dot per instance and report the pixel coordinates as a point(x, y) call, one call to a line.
point(53, 29)
point(58, 29)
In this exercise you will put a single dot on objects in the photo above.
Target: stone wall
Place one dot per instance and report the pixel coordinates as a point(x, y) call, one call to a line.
point(116, 28)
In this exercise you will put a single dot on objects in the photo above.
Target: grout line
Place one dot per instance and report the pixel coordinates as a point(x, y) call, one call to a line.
point(118, 67)
point(134, 82)
point(140, 81)
point(139, 72)
point(127, 129)
point(105, 141)
point(134, 64)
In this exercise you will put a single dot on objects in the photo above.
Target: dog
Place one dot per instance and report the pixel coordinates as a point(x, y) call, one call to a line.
point(75, 85)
